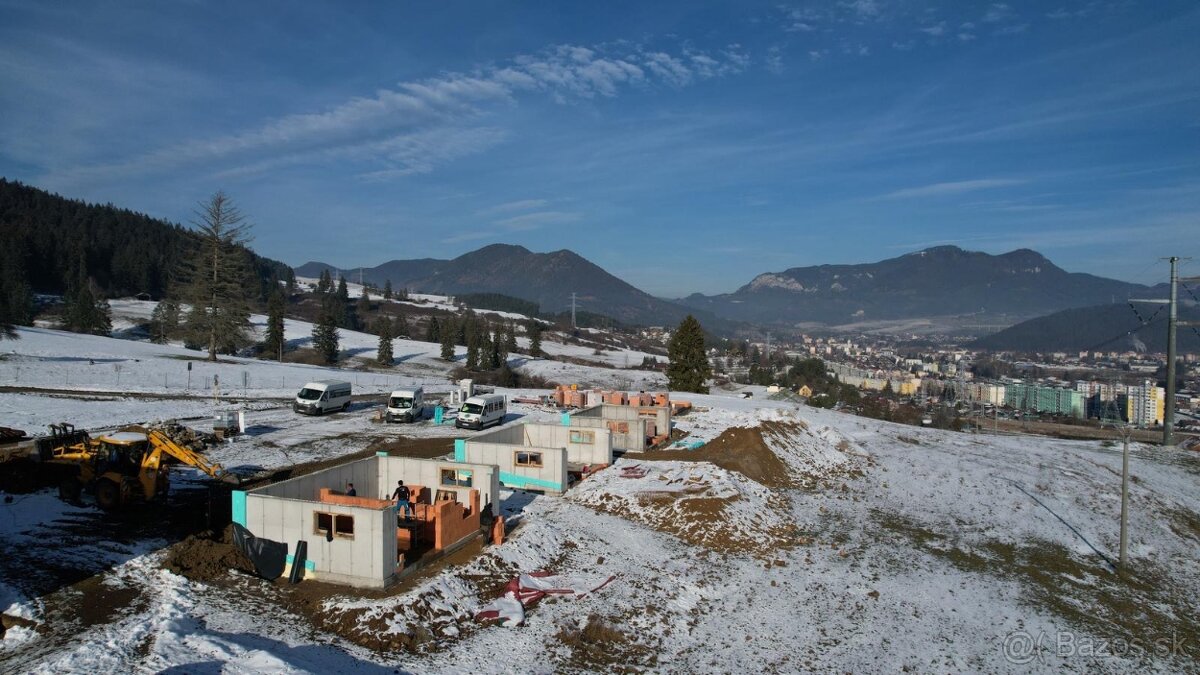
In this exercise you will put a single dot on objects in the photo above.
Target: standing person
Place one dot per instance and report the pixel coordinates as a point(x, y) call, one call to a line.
point(400, 496)
point(350, 491)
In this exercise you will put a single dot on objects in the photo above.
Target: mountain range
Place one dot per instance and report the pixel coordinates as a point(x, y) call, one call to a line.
point(936, 282)
point(545, 278)
point(1112, 327)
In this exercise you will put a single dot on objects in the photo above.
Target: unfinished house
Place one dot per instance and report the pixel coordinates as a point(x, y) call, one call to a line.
point(539, 456)
point(360, 540)
point(632, 427)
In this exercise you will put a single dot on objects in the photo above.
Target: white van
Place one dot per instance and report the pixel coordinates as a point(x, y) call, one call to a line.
point(322, 396)
point(405, 405)
point(478, 412)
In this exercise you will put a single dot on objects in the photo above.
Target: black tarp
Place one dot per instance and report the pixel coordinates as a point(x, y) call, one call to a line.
point(269, 557)
point(298, 560)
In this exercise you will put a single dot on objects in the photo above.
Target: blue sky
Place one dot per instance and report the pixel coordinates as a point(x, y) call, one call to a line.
point(685, 147)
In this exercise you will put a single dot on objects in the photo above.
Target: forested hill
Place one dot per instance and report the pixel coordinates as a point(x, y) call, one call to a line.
point(42, 235)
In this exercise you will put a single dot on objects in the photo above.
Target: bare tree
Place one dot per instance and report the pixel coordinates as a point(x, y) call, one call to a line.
point(217, 277)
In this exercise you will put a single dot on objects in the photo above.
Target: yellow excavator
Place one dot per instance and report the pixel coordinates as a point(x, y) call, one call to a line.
point(121, 467)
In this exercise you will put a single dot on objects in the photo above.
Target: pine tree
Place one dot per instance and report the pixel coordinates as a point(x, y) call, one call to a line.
point(325, 331)
point(689, 367)
point(164, 321)
point(535, 338)
point(291, 282)
point(447, 331)
point(343, 304)
point(510, 340)
point(384, 328)
point(387, 289)
point(275, 341)
point(325, 282)
point(403, 294)
point(16, 300)
point(84, 311)
point(498, 356)
point(433, 331)
point(473, 347)
point(218, 277)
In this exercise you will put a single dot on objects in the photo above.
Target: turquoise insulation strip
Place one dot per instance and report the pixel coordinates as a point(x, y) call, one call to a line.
point(514, 480)
point(460, 449)
point(239, 507)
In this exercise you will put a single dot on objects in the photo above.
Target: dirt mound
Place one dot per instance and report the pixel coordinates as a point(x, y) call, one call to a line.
point(738, 449)
point(207, 557)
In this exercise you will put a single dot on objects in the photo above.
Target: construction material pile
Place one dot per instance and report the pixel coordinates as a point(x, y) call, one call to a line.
point(186, 437)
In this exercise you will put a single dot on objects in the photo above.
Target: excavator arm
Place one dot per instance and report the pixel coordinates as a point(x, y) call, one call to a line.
point(162, 444)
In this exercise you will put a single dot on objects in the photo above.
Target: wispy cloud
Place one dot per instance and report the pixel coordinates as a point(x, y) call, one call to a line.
point(952, 188)
point(532, 221)
point(404, 116)
point(935, 30)
point(510, 207)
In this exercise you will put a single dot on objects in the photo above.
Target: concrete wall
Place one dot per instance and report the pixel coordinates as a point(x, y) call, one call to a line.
point(368, 559)
point(584, 446)
point(551, 476)
point(427, 473)
point(657, 421)
point(364, 473)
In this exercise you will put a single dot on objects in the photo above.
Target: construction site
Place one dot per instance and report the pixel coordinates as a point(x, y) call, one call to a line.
point(612, 526)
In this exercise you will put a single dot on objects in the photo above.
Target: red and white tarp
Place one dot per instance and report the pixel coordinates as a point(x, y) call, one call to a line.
point(527, 589)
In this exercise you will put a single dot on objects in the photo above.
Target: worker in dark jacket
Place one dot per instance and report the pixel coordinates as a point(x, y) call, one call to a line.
point(350, 491)
point(401, 497)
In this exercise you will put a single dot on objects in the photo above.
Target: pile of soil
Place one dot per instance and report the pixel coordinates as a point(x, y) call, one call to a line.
point(738, 449)
point(207, 557)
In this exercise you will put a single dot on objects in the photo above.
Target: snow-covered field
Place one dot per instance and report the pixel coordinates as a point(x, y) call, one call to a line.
point(903, 549)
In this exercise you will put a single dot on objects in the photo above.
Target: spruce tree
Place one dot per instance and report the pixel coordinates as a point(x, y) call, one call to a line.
point(384, 328)
point(164, 321)
point(16, 300)
point(497, 355)
point(325, 282)
point(387, 289)
point(343, 304)
point(325, 331)
point(473, 347)
point(291, 282)
point(535, 338)
point(84, 311)
point(447, 331)
point(275, 342)
point(218, 277)
point(510, 341)
point(433, 330)
point(689, 367)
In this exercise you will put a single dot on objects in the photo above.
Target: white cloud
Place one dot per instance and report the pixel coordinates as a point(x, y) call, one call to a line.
point(866, 9)
point(935, 30)
point(966, 37)
point(406, 116)
point(952, 188)
point(998, 11)
point(532, 221)
point(509, 207)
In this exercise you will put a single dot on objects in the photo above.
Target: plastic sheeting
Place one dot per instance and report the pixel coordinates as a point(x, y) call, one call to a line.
point(526, 590)
point(269, 557)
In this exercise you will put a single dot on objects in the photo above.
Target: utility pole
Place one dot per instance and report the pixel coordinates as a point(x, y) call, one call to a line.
point(573, 324)
point(1169, 413)
point(1172, 322)
point(1125, 503)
